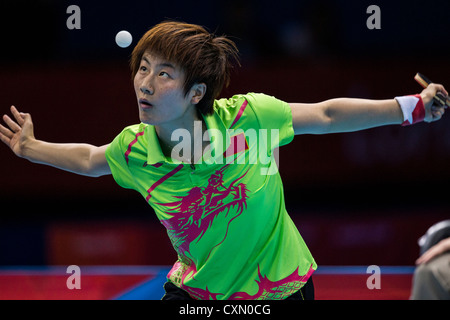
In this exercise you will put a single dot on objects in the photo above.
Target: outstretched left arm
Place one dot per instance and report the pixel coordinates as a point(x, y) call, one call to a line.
point(347, 114)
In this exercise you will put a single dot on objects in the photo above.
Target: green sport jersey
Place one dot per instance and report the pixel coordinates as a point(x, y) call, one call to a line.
point(225, 215)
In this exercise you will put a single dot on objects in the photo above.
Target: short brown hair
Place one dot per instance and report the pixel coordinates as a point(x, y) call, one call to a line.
point(204, 57)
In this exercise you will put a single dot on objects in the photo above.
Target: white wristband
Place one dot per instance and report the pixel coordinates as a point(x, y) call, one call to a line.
point(413, 109)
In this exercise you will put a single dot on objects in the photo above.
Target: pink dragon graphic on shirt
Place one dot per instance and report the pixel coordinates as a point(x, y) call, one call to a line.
point(194, 213)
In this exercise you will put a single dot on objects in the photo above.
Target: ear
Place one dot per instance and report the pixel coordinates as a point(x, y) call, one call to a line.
point(198, 91)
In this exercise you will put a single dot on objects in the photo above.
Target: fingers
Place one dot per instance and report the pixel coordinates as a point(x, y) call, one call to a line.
point(436, 87)
point(433, 89)
point(11, 124)
point(421, 260)
point(439, 248)
point(18, 116)
point(17, 125)
point(427, 256)
point(440, 87)
point(6, 132)
point(437, 112)
point(5, 135)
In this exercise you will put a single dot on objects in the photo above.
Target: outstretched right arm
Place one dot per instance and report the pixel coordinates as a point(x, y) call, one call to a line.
point(83, 159)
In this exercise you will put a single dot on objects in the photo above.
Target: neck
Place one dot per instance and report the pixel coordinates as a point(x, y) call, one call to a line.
point(183, 140)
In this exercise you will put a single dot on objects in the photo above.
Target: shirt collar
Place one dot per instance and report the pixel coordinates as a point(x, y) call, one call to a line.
point(217, 133)
point(154, 152)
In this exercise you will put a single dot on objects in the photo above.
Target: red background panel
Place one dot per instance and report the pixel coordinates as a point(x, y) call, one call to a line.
point(108, 243)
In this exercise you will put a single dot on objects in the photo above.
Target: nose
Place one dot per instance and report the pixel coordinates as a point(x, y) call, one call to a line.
point(146, 85)
point(146, 90)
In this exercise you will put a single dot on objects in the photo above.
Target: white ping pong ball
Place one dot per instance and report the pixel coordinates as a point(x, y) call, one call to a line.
point(123, 39)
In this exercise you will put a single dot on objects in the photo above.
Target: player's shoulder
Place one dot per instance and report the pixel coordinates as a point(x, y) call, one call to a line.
point(224, 104)
point(134, 129)
point(130, 133)
point(243, 106)
point(236, 101)
point(230, 108)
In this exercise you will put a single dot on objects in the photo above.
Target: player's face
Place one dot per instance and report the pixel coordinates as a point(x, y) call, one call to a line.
point(159, 90)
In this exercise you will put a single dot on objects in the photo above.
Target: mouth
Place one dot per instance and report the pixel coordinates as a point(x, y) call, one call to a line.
point(145, 104)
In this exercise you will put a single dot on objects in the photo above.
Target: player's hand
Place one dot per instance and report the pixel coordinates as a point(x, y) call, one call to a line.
point(17, 133)
point(433, 111)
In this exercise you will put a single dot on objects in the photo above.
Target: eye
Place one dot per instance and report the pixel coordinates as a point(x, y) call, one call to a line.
point(164, 74)
point(143, 68)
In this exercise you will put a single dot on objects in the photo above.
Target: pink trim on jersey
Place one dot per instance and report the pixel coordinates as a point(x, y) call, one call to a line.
point(127, 153)
point(240, 112)
point(238, 143)
point(157, 183)
point(308, 274)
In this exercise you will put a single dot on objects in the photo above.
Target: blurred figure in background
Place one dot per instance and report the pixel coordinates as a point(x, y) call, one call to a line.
point(432, 277)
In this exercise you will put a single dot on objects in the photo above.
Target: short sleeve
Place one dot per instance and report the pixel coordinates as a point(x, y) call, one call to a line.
point(274, 115)
point(115, 155)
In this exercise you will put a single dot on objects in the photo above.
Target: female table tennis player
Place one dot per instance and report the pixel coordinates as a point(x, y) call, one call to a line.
point(221, 202)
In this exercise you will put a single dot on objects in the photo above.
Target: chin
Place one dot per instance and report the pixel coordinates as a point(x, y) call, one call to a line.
point(144, 118)
point(147, 121)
